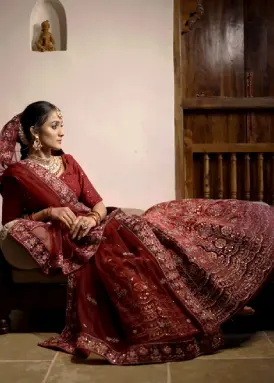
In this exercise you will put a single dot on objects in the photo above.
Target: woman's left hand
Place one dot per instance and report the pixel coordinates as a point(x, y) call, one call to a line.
point(81, 227)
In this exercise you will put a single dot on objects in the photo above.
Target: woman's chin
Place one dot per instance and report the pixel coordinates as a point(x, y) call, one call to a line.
point(56, 148)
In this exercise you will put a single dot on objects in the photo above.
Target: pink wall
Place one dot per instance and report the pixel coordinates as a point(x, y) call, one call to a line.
point(114, 85)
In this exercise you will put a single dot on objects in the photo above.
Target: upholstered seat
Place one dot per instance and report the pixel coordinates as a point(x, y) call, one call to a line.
point(23, 285)
point(25, 269)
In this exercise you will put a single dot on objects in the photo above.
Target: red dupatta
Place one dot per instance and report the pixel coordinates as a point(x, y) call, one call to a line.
point(46, 187)
point(50, 243)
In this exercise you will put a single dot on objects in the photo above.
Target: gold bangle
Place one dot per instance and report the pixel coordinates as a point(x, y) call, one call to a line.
point(48, 212)
point(93, 216)
point(96, 216)
point(95, 213)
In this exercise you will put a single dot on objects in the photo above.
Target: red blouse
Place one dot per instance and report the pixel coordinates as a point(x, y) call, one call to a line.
point(17, 202)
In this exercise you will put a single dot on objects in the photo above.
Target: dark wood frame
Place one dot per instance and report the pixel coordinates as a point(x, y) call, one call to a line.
point(227, 103)
point(178, 111)
point(183, 154)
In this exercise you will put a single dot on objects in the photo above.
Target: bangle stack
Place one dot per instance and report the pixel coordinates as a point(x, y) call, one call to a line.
point(31, 217)
point(96, 216)
point(49, 213)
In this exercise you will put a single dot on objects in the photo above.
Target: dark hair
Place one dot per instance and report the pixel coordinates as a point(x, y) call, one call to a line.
point(35, 115)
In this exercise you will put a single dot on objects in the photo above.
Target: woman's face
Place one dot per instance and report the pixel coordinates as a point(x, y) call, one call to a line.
point(52, 132)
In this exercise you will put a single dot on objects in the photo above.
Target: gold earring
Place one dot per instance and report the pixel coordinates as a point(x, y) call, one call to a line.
point(37, 144)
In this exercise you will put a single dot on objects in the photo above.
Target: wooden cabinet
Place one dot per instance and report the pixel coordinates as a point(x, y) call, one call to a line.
point(224, 98)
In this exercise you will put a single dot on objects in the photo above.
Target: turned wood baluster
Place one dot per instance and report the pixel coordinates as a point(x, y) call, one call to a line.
point(233, 176)
point(188, 164)
point(260, 160)
point(220, 177)
point(272, 181)
point(206, 176)
point(247, 177)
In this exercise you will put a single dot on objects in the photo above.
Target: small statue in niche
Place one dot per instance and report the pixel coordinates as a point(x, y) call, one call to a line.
point(46, 42)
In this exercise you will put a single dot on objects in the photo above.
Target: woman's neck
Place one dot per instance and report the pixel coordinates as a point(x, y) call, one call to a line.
point(44, 154)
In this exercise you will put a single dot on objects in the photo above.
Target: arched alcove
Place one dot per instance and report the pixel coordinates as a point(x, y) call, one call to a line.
point(53, 11)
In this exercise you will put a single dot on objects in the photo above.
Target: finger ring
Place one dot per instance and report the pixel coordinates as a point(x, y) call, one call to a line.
point(84, 225)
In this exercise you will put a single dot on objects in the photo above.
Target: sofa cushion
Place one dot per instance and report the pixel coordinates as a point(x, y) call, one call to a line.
point(16, 255)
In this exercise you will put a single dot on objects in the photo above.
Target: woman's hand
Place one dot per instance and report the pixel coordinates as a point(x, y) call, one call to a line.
point(63, 214)
point(82, 226)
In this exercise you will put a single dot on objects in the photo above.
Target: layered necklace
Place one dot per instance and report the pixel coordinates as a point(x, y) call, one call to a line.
point(53, 164)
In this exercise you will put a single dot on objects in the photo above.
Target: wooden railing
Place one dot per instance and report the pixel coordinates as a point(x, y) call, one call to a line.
point(256, 162)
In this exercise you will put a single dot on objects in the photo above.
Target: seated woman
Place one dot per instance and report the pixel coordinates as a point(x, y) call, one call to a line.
point(147, 289)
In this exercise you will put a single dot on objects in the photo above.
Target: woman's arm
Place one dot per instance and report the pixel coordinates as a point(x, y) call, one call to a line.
point(101, 209)
point(92, 199)
point(42, 215)
point(89, 195)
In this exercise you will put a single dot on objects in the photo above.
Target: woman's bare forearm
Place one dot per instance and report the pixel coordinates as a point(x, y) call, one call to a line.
point(42, 215)
point(45, 214)
point(100, 209)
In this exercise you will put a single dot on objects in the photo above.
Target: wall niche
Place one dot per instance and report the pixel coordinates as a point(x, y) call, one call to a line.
point(54, 12)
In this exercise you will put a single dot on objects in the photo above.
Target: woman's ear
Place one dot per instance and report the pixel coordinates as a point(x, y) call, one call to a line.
point(33, 132)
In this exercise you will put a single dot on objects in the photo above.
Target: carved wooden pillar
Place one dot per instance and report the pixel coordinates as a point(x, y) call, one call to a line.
point(260, 166)
point(233, 176)
point(188, 13)
point(178, 111)
point(247, 177)
point(206, 176)
point(188, 163)
point(220, 177)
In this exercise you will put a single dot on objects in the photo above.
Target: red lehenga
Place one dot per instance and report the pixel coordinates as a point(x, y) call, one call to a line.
point(145, 289)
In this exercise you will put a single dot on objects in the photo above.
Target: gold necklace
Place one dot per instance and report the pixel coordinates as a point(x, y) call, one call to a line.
point(54, 164)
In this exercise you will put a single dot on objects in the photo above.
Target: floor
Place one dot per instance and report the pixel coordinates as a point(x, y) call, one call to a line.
point(247, 358)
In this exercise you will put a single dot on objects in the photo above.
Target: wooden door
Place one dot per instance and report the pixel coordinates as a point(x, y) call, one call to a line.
point(224, 98)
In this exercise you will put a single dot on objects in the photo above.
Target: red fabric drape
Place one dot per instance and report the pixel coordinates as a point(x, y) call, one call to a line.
point(153, 288)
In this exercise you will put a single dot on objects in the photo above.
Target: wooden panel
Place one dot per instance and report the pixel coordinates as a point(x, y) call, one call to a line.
point(215, 51)
point(259, 61)
point(224, 103)
point(233, 148)
point(215, 68)
point(188, 163)
point(246, 176)
point(178, 112)
point(225, 86)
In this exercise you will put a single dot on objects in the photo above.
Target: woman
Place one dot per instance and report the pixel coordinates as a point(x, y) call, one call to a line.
point(147, 289)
